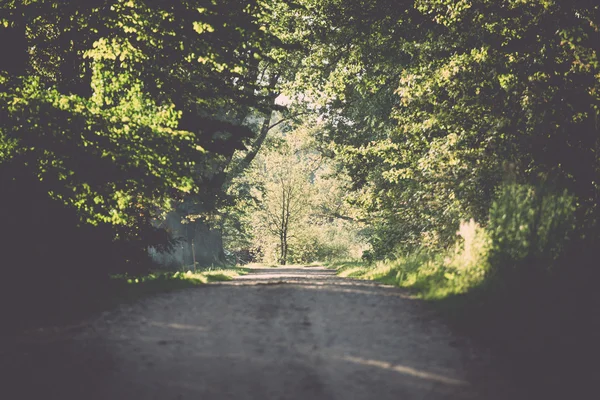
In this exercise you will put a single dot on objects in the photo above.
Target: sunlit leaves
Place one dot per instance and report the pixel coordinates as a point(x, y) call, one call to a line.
point(146, 145)
point(475, 85)
point(202, 27)
point(143, 78)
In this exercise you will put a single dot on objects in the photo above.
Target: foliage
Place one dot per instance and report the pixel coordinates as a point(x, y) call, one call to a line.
point(433, 109)
point(111, 112)
point(401, 120)
point(126, 144)
point(325, 241)
point(529, 225)
point(283, 194)
point(291, 205)
point(433, 275)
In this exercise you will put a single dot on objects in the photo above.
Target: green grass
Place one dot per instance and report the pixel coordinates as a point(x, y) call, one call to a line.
point(424, 274)
point(260, 265)
point(79, 298)
point(132, 287)
point(431, 275)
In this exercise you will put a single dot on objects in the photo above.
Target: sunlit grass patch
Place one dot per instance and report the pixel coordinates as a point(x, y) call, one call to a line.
point(132, 287)
point(201, 276)
point(231, 271)
point(218, 278)
point(352, 272)
point(126, 287)
point(260, 265)
point(432, 276)
point(223, 274)
point(343, 264)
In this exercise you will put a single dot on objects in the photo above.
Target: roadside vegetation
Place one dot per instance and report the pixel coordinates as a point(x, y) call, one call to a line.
point(88, 299)
point(128, 288)
point(504, 286)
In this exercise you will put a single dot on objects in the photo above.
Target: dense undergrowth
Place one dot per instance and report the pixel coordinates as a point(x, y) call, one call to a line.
point(433, 275)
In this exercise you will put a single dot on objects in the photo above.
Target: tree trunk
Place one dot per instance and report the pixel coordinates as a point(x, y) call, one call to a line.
point(282, 258)
point(285, 249)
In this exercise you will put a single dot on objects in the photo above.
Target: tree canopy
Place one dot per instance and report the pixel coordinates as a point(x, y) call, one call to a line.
point(111, 112)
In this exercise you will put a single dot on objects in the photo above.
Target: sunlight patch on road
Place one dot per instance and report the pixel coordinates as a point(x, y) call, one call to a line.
point(405, 370)
point(321, 283)
point(373, 290)
point(177, 326)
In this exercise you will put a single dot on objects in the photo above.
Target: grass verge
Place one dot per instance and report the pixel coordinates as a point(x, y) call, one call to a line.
point(128, 288)
point(73, 299)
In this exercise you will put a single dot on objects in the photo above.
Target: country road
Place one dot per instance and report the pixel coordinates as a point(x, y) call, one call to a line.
point(277, 333)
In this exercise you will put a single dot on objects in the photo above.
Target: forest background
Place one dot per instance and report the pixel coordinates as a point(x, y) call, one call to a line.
point(448, 146)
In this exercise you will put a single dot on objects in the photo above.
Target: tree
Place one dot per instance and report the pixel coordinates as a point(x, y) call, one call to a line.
point(292, 205)
point(434, 105)
point(284, 194)
point(111, 112)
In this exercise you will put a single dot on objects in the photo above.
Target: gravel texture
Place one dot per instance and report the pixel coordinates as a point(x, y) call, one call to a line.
point(277, 333)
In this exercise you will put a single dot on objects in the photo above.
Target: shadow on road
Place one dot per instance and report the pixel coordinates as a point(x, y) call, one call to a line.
point(277, 333)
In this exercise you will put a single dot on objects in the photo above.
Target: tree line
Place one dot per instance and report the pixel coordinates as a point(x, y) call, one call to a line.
point(114, 113)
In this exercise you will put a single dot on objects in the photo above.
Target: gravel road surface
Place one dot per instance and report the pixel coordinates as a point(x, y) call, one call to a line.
point(277, 333)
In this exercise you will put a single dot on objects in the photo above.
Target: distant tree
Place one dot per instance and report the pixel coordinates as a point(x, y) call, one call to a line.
point(284, 194)
point(292, 205)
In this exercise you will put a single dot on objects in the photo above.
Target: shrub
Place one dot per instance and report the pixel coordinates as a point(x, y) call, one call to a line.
point(529, 227)
point(468, 264)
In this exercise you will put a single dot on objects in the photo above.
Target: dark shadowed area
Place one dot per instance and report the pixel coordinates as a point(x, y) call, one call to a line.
point(277, 333)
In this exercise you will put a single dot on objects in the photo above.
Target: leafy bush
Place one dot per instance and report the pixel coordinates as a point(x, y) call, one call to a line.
point(456, 271)
point(529, 224)
point(433, 274)
point(468, 264)
point(336, 240)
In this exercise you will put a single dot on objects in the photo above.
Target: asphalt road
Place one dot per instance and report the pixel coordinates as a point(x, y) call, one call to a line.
point(284, 333)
